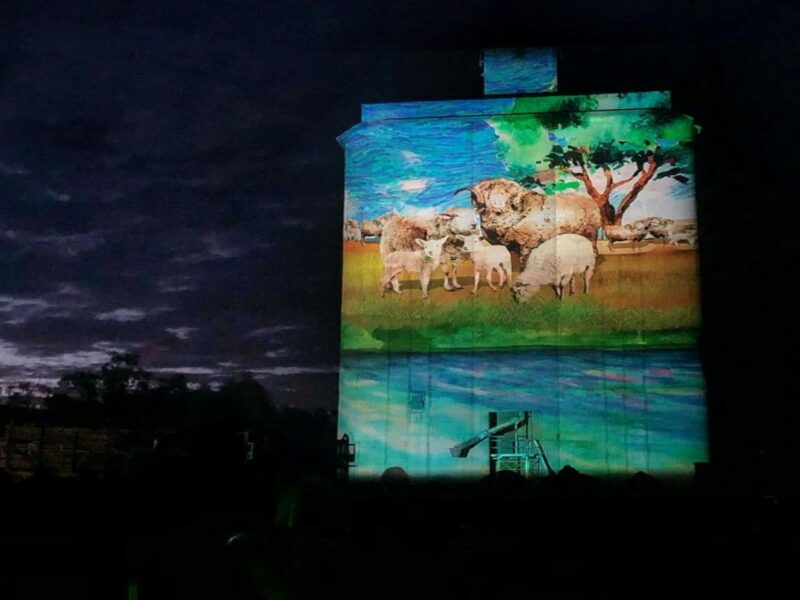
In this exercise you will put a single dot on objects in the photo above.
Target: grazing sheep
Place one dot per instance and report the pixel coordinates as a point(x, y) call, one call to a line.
point(632, 232)
point(555, 263)
point(489, 259)
point(662, 228)
point(423, 261)
point(352, 231)
point(523, 219)
point(655, 226)
point(400, 232)
point(673, 231)
point(689, 237)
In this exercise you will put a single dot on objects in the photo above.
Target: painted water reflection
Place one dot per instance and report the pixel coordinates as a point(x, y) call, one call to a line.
point(603, 412)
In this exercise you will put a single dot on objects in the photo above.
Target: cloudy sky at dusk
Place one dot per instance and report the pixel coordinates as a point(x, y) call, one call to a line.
point(170, 181)
point(171, 184)
point(164, 189)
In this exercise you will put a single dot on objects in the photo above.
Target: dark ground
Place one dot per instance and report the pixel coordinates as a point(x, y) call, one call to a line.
point(174, 539)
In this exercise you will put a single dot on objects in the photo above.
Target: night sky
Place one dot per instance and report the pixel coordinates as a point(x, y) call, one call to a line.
point(170, 181)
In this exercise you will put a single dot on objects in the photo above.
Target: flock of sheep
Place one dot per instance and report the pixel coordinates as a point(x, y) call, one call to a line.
point(555, 237)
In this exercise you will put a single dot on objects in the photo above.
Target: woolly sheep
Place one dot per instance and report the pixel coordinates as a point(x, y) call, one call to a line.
point(690, 237)
point(400, 233)
point(489, 259)
point(632, 232)
point(666, 228)
point(424, 261)
point(555, 263)
point(352, 230)
point(523, 219)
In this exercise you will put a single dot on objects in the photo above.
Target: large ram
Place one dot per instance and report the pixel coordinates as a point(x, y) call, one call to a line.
point(523, 219)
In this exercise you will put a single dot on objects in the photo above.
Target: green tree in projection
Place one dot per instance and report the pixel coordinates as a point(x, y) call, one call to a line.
point(630, 148)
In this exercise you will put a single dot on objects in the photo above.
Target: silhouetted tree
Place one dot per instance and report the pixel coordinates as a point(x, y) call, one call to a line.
point(80, 384)
point(200, 431)
point(248, 402)
point(174, 384)
point(122, 375)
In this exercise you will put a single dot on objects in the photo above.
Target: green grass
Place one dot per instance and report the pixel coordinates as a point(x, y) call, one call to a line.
point(573, 322)
point(644, 300)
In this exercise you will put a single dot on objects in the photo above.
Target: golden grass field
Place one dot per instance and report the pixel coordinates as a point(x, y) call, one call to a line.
point(650, 298)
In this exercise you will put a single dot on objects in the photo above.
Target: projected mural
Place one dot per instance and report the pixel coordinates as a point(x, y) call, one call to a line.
point(519, 70)
point(520, 287)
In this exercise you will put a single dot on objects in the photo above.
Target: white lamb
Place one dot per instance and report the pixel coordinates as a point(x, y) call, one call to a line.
point(555, 263)
point(487, 258)
point(423, 261)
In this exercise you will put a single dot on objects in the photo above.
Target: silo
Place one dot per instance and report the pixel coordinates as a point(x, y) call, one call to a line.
point(586, 356)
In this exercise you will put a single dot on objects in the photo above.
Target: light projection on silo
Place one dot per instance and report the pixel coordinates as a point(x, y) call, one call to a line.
point(521, 288)
point(519, 70)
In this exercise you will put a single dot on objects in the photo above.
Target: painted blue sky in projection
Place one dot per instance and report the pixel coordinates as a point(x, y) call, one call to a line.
point(413, 164)
point(406, 166)
point(519, 70)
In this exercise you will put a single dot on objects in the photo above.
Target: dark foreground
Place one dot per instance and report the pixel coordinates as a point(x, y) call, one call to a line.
point(168, 537)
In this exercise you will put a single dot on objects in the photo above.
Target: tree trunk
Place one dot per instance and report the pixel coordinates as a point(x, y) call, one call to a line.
point(607, 213)
point(638, 186)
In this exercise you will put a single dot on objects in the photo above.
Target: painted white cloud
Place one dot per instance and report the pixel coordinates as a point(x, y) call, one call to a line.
point(414, 185)
point(412, 158)
point(357, 383)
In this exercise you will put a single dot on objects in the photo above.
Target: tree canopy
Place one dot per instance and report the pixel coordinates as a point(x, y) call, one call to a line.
point(579, 139)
